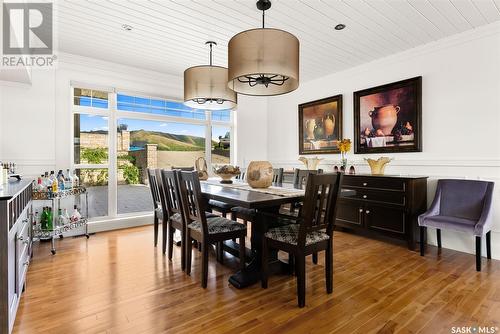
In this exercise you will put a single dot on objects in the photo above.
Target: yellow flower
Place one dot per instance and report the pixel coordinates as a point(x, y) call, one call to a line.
point(345, 145)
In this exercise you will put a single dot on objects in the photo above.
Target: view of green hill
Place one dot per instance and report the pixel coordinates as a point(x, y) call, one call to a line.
point(167, 141)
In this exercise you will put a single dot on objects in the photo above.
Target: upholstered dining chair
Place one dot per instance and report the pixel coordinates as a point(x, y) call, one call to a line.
point(463, 206)
point(183, 169)
point(205, 230)
point(155, 195)
point(312, 231)
point(223, 207)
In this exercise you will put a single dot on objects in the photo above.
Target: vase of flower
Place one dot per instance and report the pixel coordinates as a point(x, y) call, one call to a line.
point(344, 147)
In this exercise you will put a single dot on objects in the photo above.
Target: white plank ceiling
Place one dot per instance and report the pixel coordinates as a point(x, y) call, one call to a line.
point(169, 35)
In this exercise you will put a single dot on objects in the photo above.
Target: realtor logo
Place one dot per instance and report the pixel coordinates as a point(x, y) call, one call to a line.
point(27, 28)
point(28, 34)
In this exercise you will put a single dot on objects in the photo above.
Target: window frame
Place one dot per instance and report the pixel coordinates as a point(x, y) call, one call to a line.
point(114, 115)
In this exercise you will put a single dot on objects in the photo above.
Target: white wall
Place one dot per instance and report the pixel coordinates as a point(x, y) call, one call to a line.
point(252, 127)
point(461, 114)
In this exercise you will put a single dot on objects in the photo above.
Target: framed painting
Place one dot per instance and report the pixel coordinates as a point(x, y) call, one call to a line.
point(320, 126)
point(388, 118)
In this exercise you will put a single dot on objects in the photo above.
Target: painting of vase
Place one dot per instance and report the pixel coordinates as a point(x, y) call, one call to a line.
point(388, 118)
point(320, 126)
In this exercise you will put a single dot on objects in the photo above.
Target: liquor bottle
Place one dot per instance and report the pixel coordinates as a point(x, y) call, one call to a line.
point(60, 218)
point(35, 220)
point(50, 221)
point(76, 179)
point(46, 180)
point(66, 216)
point(54, 186)
point(60, 180)
point(44, 219)
point(68, 180)
point(75, 216)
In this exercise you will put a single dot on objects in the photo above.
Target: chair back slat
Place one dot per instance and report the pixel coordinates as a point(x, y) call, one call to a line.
point(183, 169)
point(278, 175)
point(192, 201)
point(153, 185)
point(300, 176)
point(170, 187)
point(320, 203)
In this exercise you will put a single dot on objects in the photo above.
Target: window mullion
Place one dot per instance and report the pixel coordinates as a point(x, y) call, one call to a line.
point(113, 171)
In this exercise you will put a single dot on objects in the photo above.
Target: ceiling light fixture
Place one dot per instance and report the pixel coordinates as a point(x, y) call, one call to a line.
point(339, 26)
point(126, 27)
point(205, 87)
point(263, 61)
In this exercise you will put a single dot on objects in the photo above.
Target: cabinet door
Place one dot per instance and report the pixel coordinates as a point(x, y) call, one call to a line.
point(349, 213)
point(384, 218)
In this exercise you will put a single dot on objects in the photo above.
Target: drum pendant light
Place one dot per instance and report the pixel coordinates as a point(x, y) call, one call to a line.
point(263, 61)
point(205, 87)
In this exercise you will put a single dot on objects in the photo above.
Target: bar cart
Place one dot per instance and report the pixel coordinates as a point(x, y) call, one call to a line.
point(58, 229)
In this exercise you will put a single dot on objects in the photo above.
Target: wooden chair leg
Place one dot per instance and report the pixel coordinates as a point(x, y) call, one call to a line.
point(488, 245)
point(204, 264)
point(329, 268)
point(164, 239)
point(291, 263)
point(156, 223)
point(422, 242)
point(220, 251)
point(264, 264)
point(300, 261)
point(315, 257)
point(189, 251)
point(170, 240)
point(478, 253)
point(242, 252)
point(183, 250)
point(438, 235)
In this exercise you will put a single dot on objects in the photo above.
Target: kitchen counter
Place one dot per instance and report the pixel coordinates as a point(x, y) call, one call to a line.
point(12, 188)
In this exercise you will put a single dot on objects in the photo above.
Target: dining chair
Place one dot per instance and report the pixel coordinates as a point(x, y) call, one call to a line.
point(155, 195)
point(172, 204)
point(205, 230)
point(277, 175)
point(462, 206)
point(311, 232)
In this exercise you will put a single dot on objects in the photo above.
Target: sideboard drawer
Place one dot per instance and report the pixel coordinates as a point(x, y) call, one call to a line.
point(391, 197)
point(374, 182)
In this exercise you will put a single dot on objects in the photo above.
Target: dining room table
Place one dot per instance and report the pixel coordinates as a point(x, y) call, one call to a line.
point(267, 203)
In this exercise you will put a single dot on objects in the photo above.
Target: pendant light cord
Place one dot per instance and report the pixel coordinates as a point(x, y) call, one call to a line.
point(210, 54)
point(263, 17)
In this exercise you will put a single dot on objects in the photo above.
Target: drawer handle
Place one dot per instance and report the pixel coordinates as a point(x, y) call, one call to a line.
point(20, 238)
point(360, 210)
point(27, 263)
point(364, 196)
point(365, 184)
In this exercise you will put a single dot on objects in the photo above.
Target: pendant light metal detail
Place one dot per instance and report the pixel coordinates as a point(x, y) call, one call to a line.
point(263, 61)
point(205, 86)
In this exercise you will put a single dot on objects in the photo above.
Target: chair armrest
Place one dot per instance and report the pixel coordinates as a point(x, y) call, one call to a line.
point(485, 221)
point(433, 209)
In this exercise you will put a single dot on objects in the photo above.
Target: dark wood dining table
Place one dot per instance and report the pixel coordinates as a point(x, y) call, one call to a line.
point(262, 203)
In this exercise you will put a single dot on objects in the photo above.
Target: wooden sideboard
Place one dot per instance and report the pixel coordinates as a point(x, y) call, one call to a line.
point(15, 248)
point(384, 206)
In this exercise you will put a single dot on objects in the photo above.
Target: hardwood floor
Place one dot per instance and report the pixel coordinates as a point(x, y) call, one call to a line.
point(117, 282)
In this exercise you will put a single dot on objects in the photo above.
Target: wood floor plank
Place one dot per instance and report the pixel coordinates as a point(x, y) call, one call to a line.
point(117, 282)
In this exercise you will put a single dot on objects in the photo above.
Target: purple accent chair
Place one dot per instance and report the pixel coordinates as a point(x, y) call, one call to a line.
point(464, 206)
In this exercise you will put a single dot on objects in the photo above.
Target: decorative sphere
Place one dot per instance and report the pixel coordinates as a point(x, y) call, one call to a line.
point(260, 174)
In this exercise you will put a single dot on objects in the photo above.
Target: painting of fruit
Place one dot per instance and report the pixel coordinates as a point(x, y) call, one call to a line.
point(388, 118)
point(320, 126)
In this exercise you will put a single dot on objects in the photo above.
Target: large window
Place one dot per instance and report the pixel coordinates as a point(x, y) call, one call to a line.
point(118, 136)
